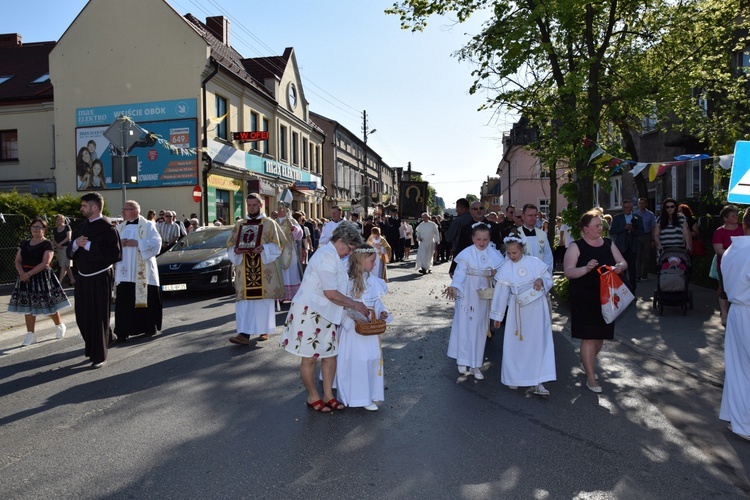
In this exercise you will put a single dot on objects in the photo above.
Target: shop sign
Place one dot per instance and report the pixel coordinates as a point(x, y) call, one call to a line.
point(281, 170)
point(225, 183)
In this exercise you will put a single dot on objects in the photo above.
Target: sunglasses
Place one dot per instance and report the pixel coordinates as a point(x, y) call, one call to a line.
point(477, 208)
point(37, 227)
point(669, 206)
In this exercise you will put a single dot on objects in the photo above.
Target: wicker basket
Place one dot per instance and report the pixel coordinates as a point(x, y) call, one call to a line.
point(374, 327)
point(486, 293)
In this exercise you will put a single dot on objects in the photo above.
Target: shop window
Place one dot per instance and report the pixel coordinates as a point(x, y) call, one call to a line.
point(224, 206)
point(8, 145)
point(693, 186)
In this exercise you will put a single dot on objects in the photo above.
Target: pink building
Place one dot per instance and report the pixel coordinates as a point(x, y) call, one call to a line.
point(522, 178)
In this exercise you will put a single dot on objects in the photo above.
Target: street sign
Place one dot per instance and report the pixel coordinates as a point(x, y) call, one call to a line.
point(739, 181)
point(122, 134)
point(197, 194)
point(310, 185)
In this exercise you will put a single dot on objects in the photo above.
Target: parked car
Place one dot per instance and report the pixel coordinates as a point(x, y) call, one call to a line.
point(199, 261)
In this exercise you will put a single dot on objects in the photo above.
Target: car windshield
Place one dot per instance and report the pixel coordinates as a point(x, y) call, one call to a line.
point(200, 240)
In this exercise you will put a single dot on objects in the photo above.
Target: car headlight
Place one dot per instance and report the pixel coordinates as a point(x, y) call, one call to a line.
point(213, 261)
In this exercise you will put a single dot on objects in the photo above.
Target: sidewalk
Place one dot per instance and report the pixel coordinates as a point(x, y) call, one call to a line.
point(12, 321)
point(693, 343)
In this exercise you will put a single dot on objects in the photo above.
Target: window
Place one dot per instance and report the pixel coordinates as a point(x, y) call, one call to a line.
point(693, 187)
point(649, 123)
point(254, 128)
point(543, 172)
point(221, 110)
point(543, 205)
point(305, 157)
point(8, 145)
point(283, 144)
point(616, 193)
point(265, 129)
point(42, 79)
point(295, 148)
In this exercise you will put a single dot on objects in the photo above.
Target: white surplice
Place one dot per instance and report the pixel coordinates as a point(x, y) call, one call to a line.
point(149, 246)
point(359, 367)
point(735, 399)
point(428, 235)
point(528, 349)
point(471, 317)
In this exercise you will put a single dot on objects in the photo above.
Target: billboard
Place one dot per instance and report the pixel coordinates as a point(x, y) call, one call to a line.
point(172, 122)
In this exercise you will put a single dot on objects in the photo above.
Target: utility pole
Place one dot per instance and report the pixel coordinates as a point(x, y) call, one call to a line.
point(365, 184)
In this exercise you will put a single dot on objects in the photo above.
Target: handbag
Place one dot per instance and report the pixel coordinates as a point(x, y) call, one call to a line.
point(699, 249)
point(614, 296)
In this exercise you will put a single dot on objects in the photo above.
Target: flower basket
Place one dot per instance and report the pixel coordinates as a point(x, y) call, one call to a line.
point(374, 327)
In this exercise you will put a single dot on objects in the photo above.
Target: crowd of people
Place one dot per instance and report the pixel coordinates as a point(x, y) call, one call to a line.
point(334, 274)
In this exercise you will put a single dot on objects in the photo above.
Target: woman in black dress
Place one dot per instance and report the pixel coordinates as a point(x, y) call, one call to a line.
point(582, 259)
point(37, 289)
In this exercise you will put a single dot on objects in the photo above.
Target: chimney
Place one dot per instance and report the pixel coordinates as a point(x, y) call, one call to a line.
point(219, 27)
point(10, 40)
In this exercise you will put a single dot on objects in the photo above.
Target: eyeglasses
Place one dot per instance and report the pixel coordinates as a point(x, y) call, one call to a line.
point(477, 208)
point(127, 208)
point(670, 206)
point(37, 227)
point(168, 216)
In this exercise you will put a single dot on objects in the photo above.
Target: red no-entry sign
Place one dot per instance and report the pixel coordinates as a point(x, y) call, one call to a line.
point(197, 194)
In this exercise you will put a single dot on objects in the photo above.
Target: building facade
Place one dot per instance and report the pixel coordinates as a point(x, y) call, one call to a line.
point(206, 125)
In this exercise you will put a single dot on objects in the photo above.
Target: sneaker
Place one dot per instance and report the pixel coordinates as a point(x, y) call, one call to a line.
point(371, 407)
point(60, 330)
point(462, 369)
point(30, 339)
point(98, 365)
point(477, 373)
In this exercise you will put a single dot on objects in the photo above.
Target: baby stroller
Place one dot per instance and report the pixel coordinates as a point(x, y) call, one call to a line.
point(673, 277)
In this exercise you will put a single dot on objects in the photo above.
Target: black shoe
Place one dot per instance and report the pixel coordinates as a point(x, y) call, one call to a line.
point(423, 271)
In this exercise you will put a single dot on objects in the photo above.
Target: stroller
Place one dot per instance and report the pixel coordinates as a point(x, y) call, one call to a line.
point(673, 277)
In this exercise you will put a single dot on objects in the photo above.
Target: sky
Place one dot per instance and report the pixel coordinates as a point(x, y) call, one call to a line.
point(352, 57)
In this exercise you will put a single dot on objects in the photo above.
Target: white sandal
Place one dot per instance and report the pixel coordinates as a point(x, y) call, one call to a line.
point(541, 391)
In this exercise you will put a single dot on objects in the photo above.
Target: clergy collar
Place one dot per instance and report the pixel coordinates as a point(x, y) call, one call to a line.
point(529, 228)
point(95, 219)
point(259, 216)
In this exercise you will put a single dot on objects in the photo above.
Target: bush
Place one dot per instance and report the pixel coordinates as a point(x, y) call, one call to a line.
point(560, 288)
point(31, 206)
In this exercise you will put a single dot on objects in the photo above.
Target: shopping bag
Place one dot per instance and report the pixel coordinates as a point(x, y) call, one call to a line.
point(615, 297)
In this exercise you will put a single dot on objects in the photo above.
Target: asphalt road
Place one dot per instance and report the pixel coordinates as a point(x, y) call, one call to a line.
point(189, 415)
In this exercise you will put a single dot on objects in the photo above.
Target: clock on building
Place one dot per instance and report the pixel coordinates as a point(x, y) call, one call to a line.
point(292, 96)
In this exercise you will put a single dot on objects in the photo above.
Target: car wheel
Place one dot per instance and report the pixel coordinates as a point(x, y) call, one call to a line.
point(232, 278)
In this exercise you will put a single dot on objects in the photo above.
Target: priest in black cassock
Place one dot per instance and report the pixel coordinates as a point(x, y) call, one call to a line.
point(95, 249)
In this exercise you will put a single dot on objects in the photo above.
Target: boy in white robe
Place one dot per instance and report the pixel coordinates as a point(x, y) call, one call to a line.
point(528, 348)
point(475, 269)
point(359, 367)
point(735, 398)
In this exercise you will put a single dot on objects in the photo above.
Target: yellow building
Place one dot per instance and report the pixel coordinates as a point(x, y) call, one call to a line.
point(195, 114)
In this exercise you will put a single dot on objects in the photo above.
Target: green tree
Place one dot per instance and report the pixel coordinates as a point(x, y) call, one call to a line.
point(471, 198)
point(583, 70)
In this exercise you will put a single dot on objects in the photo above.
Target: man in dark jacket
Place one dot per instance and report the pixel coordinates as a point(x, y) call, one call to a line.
point(624, 231)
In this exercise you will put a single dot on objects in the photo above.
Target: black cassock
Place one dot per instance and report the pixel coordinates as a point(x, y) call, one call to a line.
point(93, 295)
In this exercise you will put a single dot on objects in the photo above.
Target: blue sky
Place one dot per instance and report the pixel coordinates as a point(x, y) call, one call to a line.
point(352, 58)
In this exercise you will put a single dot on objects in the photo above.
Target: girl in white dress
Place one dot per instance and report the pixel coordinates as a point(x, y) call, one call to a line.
point(359, 374)
point(475, 269)
point(528, 349)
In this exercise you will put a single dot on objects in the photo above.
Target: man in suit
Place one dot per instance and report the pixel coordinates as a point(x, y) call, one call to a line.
point(625, 231)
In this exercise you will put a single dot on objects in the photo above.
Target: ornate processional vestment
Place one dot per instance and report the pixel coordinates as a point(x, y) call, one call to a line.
point(259, 275)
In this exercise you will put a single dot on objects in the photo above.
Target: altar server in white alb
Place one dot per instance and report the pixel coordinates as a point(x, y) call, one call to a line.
point(359, 369)
point(528, 349)
point(735, 269)
point(138, 308)
point(428, 236)
point(476, 267)
point(291, 261)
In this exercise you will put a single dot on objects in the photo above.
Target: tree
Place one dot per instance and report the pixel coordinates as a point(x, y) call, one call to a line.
point(471, 198)
point(572, 66)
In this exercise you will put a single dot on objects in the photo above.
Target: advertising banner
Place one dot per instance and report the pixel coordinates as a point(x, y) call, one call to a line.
point(172, 122)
